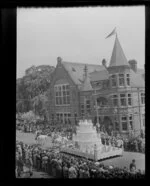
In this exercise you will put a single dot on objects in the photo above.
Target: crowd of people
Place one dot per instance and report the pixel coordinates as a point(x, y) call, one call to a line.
point(131, 145)
point(60, 165)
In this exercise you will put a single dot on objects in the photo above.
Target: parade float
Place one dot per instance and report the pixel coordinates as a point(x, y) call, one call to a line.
point(87, 143)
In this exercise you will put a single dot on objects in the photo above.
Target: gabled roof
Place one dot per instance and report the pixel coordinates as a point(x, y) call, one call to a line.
point(137, 79)
point(76, 70)
point(118, 57)
point(99, 75)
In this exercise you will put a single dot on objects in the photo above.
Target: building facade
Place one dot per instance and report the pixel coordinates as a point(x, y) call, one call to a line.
point(113, 96)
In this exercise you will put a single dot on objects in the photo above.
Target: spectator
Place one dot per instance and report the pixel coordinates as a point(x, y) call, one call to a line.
point(133, 166)
point(72, 172)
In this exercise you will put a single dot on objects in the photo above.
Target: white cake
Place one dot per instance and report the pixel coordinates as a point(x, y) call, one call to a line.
point(88, 142)
point(87, 136)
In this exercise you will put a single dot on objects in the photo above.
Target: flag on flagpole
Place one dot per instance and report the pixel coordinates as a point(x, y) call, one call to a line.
point(112, 33)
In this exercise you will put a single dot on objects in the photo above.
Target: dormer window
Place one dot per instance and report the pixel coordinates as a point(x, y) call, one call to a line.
point(73, 69)
point(121, 80)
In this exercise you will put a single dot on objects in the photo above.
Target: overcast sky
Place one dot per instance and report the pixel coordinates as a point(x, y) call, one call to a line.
point(78, 35)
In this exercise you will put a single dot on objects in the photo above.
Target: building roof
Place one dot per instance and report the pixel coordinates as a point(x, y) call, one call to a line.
point(76, 70)
point(118, 57)
point(140, 71)
point(137, 79)
point(99, 75)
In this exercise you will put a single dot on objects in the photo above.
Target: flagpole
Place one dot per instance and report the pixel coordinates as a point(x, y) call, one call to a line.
point(112, 33)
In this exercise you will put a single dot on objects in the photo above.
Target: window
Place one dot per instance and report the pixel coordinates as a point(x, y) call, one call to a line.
point(82, 110)
point(123, 99)
point(129, 100)
point(75, 117)
point(130, 122)
point(52, 117)
point(98, 84)
point(61, 117)
point(143, 118)
point(67, 117)
point(73, 69)
point(57, 116)
point(128, 79)
point(143, 98)
point(116, 124)
point(113, 81)
point(115, 100)
point(121, 80)
point(62, 94)
point(105, 84)
point(124, 123)
point(88, 107)
point(64, 117)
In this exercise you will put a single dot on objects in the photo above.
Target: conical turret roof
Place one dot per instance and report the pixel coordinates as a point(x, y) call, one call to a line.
point(118, 57)
point(86, 84)
point(86, 81)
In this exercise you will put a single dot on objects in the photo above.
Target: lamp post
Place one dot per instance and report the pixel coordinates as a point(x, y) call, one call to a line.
point(97, 115)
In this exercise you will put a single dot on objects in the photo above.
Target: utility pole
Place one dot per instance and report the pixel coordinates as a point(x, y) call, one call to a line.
point(85, 111)
point(139, 108)
point(96, 107)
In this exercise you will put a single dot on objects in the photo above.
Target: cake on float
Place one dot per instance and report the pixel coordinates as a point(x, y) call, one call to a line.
point(87, 143)
point(86, 137)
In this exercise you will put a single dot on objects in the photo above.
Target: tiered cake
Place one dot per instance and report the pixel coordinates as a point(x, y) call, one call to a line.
point(87, 143)
point(87, 137)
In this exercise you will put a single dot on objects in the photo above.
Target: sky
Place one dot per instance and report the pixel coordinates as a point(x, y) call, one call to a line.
point(78, 35)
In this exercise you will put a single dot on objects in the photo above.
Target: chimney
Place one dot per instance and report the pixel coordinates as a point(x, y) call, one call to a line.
point(133, 65)
point(59, 60)
point(104, 63)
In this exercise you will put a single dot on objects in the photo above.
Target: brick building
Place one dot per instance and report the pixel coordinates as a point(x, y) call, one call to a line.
point(113, 96)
